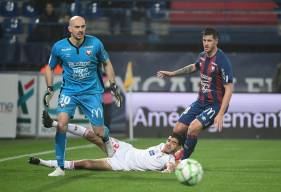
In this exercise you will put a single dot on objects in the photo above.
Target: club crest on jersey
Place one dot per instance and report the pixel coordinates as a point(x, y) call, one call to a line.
point(88, 52)
point(213, 66)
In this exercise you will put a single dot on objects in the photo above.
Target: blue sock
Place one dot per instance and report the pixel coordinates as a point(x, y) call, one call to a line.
point(60, 148)
point(105, 134)
point(189, 146)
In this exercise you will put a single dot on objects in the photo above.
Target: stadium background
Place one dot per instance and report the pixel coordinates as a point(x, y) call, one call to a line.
point(152, 35)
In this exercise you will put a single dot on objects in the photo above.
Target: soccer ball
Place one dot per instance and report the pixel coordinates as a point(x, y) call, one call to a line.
point(189, 172)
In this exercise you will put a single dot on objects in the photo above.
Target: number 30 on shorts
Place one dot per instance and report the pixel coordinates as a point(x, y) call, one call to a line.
point(64, 100)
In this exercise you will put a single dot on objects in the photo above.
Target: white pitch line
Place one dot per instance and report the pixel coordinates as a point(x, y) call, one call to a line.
point(45, 152)
point(50, 151)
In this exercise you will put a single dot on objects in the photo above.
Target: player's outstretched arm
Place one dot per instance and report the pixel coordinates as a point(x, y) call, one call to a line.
point(182, 71)
point(164, 74)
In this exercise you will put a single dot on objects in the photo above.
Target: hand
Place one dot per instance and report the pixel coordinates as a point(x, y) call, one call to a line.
point(48, 96)
point(116, 93)
point(163, 74)
point(170, 167)
point(219, 122)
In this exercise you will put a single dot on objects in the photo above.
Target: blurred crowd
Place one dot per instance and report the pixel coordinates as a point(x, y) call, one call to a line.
point(46, 20)
point(29, 27)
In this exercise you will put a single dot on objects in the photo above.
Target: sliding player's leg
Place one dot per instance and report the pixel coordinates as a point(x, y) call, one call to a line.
point(91, 105)
point(103, 133)
point(77, 130)
point(95, 164)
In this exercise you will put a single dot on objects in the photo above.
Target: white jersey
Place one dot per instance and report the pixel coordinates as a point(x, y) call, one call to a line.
point(128, 158)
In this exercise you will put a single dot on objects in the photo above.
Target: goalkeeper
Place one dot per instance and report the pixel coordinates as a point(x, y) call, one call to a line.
point(81, 57)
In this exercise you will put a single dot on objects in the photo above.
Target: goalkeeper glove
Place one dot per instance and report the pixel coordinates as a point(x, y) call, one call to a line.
point(116, 93)
point(48, 96)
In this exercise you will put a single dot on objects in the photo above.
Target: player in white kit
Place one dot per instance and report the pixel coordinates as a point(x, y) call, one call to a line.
point(127, 158)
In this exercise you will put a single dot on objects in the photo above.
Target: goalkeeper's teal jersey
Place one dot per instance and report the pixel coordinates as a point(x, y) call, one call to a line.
point(81, 65)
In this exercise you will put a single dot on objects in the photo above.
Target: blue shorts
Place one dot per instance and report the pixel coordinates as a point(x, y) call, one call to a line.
point(90, 105)
point(205, 113)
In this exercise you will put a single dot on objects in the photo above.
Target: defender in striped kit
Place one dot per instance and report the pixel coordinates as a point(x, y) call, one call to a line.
point(215, 91)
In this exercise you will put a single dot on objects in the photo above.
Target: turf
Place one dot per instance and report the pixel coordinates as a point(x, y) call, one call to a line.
point(229, 165)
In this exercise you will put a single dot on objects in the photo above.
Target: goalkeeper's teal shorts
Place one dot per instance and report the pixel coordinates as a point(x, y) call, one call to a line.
point(90, 105)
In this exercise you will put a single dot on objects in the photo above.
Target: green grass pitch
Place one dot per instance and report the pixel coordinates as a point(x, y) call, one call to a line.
point(229, 166)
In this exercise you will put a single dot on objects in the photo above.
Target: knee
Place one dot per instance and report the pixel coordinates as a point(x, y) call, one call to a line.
point(176, 130)
point(83, 164)
point(102, 133)
point(61, 127)
point(180, 128)
point(87, 164)
point(62, 122)
point(91, 136)
point(99, 132)
point(193, 129)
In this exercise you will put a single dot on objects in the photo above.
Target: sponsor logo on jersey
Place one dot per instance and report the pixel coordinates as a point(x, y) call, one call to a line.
point(68, 55)
point(97, 113)
point(66, 49)
point(213, 66)
point(205, 83)
point(151, 152)
point(78, 64)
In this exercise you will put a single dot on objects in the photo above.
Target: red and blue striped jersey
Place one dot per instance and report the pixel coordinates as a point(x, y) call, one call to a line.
point(215, 72)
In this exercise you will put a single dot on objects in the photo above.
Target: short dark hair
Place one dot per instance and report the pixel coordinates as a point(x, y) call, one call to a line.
point(179, 137)
point(211, 31)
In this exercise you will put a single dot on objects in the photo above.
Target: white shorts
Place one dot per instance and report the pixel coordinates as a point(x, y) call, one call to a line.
point(117, 162)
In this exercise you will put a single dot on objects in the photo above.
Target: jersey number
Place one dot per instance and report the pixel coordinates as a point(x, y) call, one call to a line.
point(64, 100)
point(210, 112)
